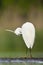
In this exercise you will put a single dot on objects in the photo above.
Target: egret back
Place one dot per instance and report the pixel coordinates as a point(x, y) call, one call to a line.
point(28, 34)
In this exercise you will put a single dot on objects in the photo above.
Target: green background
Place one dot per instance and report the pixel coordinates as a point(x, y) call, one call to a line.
point(14, 46)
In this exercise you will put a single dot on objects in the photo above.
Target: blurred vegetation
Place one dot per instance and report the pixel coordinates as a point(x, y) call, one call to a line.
point(10, 44)
point(24, 4)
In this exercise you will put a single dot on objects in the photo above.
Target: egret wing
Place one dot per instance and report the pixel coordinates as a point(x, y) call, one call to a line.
point(28, 34)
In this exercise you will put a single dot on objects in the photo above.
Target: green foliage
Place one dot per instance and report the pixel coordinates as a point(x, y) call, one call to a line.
point(38, 46)
point(25, 4)
point(10, 42)
point(14, 46)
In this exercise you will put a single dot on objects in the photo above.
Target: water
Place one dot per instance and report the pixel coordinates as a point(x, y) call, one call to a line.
point(21, 61)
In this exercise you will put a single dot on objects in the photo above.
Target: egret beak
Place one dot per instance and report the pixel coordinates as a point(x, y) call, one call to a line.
point(9, 30)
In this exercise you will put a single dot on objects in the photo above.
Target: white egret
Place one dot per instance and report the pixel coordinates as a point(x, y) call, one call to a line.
point(28, 33)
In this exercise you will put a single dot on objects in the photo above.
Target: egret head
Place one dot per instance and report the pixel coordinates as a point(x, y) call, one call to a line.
point(18, 31)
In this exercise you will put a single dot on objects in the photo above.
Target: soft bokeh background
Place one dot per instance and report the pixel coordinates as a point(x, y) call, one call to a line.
point(13, 13)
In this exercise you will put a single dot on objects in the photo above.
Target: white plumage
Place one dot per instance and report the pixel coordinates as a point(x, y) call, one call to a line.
point(28, 34)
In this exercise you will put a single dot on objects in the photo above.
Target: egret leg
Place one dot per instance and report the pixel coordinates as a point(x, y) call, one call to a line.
point(30, 53)
point(26, 51)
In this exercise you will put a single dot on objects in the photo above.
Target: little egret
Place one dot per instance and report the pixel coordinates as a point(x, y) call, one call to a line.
point(28, 33)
